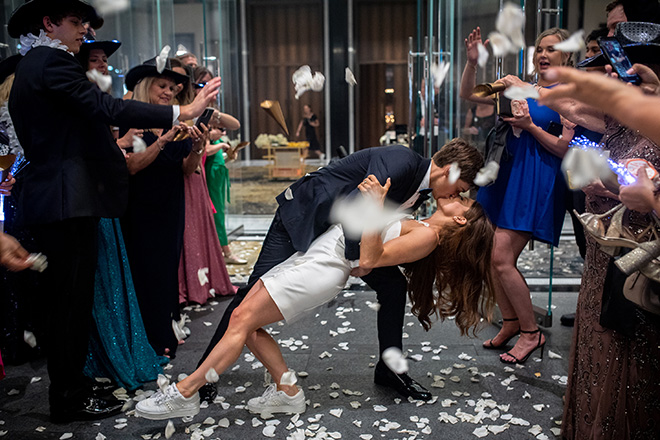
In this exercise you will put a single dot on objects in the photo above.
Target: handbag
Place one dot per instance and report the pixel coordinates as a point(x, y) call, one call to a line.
point(643, 291)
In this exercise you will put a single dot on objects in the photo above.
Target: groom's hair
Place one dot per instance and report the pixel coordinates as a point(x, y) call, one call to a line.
point(462, 152)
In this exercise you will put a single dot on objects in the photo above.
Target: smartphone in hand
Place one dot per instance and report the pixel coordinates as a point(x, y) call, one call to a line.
point(616, 56)
point(204, 118)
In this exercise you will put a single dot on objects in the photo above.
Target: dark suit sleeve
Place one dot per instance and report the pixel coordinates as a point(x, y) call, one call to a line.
point(64, 76)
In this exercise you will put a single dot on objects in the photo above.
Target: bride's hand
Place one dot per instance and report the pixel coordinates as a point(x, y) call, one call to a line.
point(372, 187)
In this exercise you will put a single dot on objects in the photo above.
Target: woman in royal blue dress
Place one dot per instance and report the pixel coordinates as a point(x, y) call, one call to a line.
point(118, 347)
point(526, 201)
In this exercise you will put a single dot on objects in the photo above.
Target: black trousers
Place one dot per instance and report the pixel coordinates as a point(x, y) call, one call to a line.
point(65, 302)
point(388, 282)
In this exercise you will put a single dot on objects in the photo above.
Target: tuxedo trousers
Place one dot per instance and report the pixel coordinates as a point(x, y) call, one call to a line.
point(388, 282)
point(65, 302)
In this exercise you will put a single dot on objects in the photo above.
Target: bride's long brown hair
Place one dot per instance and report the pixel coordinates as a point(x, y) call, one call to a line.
point(459, 267)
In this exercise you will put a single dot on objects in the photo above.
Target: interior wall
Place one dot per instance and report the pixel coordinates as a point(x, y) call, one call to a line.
point(282, 36)
point(382, 29)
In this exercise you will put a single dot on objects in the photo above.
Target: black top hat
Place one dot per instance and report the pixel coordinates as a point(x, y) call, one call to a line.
point(640, 41)
point(32, 12)
point(109, 47)
point(147, 69)
point(8, 66)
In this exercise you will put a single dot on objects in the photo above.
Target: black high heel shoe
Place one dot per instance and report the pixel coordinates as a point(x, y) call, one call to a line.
point(523, 360)
point(489, 343)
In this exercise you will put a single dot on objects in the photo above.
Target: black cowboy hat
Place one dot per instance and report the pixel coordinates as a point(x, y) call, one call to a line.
point(32, 12)
point(108, 47)
point(148, 69)
point(8, 66)
point(640, 41)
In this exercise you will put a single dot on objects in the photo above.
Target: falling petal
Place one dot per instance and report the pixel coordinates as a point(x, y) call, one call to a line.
point(103, 81)
point(519, 93)
point(288, 194)
point(500, 44)
point(212, 376)
point(510, 21)
point(350, 78)
point(29, 338)
point(178, 332)
point(361, 213)
point(454, 173)
point(104, 7)
point(161, 59)
point(139, 145)
point(202, 275)
point(487, 174)
point(288, 378)
point(181, 49)
point(395, 360)
point(483, 55)
point(574, 43)
point(439, 73)
point(162, 382)
point(317, 82)
point(169, 429)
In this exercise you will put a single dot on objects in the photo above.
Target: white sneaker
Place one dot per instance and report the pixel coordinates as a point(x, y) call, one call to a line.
point(273, 401)
point(168, 404)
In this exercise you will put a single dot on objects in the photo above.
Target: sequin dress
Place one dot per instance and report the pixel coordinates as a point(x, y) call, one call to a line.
point(202, 271)
point(614, 381)
point(528, 194)
point(118, 347)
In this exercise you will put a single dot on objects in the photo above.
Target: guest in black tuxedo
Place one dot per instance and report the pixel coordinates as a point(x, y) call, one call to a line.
point(76, 175)
point(303, 213)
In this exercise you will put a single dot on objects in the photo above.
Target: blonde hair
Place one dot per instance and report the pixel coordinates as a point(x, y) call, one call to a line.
point(141, 90)
point(562, 34)
point(5, 88)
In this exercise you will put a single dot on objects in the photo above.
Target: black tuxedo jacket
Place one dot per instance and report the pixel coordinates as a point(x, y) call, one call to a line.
point(305, 216)
point(63, 123)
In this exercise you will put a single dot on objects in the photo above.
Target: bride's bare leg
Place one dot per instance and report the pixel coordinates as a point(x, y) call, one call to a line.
point(256, 310)
point(267, 350)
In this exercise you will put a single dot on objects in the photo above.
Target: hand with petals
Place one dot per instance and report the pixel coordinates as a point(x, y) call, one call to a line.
point(12, 255)
point(472, 43)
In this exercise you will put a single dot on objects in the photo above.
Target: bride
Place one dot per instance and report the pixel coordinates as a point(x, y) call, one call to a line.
point(449, 250)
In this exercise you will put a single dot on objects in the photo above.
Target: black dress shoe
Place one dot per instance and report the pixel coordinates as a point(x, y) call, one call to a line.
point(208, 392)
point(100, 389)
point(404, 384)
point(89, 408)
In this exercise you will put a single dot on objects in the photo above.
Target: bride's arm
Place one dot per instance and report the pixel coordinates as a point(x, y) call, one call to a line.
point(414, 245)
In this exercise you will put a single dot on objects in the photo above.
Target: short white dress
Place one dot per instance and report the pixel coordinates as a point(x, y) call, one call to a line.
point(307, 280)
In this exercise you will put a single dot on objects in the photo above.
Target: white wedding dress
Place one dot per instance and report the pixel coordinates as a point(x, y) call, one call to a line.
point(310, 279)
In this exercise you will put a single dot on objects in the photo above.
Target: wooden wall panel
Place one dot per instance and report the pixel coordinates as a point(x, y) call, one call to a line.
point(282, 36)
point(381, 39)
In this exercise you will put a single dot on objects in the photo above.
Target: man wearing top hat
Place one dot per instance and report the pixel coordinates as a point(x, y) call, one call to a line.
point(76, 175)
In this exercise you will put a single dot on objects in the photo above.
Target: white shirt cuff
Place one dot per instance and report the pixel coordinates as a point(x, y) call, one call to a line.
point(176, 111)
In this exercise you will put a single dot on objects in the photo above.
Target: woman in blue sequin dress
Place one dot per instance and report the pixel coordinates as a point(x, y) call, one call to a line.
point(526, 201)
point(118, 347)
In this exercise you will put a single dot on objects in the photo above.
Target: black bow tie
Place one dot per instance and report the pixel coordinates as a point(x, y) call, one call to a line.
point(423, 196)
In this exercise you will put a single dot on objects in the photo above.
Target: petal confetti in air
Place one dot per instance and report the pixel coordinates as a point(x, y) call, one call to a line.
point(304, 80)
point(104, 7)
point(487, 174)
point(518, 93)
point(439, 73)
point(360, 213)
point(482, 59)
point(211, 376)
point(29, 338)
point(395, 360)
point(288, 378)
point(202, 275)
point(162, 382)
point(139, 145)
point(454, 173)
point(531, 50)
point(103, 81)
point(500, 44)
point(350, 78)
point(37, 261)
point(169, 429)
point(178, 331)
point(161, 59)
point(510, 22)
point(574, 43)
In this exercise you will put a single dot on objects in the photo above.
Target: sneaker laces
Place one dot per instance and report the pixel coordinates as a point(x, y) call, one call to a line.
point(163, 396)
point(270, 391)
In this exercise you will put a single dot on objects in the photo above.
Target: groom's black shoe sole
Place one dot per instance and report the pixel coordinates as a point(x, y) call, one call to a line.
point(89, 408)
point(402, 383)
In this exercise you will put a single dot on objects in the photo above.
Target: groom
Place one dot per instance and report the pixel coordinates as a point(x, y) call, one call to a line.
point(303, 215)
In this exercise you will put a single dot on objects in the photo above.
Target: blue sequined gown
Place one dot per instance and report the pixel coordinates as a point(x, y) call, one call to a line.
point(118, 347)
